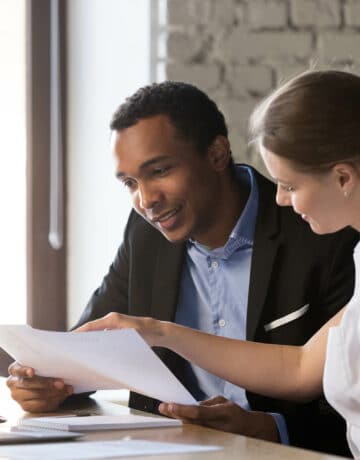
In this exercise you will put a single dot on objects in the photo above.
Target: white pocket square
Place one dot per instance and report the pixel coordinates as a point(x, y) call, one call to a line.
point(287, 318)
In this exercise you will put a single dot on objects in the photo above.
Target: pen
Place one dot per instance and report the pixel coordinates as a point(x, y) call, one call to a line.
point(79, 414)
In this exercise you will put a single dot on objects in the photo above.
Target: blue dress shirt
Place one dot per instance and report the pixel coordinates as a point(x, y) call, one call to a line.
point(214, 295)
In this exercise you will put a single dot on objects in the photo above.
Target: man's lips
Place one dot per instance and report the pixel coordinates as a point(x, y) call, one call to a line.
point(165, 216)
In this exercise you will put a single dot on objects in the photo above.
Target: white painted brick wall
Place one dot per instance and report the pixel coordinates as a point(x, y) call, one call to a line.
point(182, 47)
point(205, 76)
point(225, 13)
point(266, 45)
point(245, 80)
point(267, 14)
point(337, 46)
point(185, 12)
point(352, 12)
point(239, 50)
point(316, 13)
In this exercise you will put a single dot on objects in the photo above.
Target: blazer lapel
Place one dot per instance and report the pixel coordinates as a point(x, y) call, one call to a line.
point(167, 277)
point(266, 244)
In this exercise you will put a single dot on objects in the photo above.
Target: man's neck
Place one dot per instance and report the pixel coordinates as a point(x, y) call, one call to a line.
point(233, 202)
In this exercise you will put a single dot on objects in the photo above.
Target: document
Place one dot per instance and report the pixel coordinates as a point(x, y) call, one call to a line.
point(98, 360)
point(98, 450)
point(99, 422)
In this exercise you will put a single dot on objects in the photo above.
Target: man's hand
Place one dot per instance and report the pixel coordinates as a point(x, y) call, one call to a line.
point(222, 414)
point(34, 393)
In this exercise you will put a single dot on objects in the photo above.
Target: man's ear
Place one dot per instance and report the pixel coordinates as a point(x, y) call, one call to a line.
point(219, 153)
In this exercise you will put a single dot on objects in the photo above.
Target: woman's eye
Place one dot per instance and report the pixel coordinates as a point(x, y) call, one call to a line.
point(287, 188)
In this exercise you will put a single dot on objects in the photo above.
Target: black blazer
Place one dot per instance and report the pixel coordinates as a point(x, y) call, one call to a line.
point(292, 270)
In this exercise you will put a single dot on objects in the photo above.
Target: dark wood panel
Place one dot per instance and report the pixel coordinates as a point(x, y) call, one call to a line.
point(46, 267)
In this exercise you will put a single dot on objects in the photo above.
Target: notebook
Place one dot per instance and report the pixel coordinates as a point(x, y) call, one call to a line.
point(99, 422)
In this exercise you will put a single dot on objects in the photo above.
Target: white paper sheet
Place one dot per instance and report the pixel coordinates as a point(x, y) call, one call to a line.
point(97, 450)
point(98, 360)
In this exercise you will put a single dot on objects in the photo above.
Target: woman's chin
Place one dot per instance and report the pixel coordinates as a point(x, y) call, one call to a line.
point(324, 230)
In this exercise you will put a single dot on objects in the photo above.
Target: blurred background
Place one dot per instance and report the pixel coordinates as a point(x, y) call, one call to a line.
point(65, 66)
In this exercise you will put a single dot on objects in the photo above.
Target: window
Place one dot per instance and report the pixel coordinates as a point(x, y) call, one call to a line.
point(13, 161)
point(103, 68)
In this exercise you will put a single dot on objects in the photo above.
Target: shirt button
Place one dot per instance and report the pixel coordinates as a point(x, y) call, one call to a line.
point(214, 264)
point(222, 322)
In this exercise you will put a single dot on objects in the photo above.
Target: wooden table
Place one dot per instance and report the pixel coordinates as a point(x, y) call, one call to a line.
point(235, 447)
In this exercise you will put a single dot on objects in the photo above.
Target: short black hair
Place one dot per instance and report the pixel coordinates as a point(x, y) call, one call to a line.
point(194, 115)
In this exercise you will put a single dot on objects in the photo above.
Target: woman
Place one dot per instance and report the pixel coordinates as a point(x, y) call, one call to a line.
point(308, 133)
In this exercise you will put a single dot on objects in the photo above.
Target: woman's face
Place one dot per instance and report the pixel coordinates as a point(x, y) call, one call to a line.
point(318, 198)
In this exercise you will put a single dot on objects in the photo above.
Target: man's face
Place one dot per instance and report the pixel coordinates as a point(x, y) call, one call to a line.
point(171, 185)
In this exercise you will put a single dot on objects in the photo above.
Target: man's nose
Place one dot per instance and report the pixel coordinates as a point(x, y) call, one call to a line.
point(148, 196)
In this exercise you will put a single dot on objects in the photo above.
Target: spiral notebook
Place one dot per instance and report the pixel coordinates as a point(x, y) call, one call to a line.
point(98, 422)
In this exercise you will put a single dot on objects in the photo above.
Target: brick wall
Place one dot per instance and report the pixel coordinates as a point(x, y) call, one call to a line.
point(238, 50)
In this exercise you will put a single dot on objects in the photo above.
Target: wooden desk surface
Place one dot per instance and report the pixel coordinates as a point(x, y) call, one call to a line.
point(235, 447)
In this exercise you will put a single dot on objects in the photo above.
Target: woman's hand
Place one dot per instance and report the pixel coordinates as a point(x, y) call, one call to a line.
point(152, 330)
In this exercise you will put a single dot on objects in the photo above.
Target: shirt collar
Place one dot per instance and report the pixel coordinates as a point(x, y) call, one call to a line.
point(242, 235)
point(245, 226)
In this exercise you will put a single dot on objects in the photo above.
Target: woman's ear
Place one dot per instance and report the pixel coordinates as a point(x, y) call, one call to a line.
point(219, 153)
point(346, 175)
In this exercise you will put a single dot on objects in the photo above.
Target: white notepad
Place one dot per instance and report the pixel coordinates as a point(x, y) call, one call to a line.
point(99, 422)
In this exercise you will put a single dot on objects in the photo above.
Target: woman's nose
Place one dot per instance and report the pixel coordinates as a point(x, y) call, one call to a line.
point(282, 197)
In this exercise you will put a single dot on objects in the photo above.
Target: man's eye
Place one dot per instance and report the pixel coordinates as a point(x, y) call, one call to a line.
point(161, 171)
point(128, 183)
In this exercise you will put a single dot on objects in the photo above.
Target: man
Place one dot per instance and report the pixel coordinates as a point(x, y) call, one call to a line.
point(207, 246)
